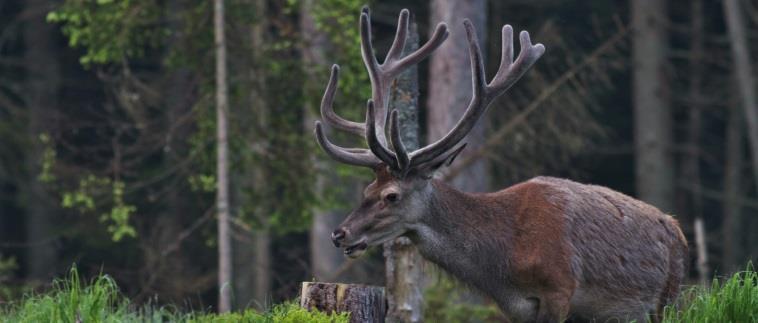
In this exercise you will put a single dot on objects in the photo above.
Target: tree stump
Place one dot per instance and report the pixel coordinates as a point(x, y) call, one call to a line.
point(364, 303)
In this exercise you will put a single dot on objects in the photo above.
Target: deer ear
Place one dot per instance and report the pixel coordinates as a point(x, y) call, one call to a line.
point(443, 160)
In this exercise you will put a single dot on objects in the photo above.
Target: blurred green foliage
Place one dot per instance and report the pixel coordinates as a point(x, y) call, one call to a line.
point(109, 30)
point(446, 301)
point(7, 266)
point(91, 189)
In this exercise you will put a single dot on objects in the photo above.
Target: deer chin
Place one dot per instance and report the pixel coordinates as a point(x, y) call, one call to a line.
point(356, 250)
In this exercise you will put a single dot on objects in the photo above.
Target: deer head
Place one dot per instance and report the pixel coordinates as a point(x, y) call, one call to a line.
point(399, 197)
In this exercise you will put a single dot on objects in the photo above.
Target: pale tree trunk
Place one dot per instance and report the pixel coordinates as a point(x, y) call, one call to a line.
point(743, 69)
point(41, 95)
point(222, 180)
point(325, 259)
point(403, 263)
point(732, 206)
point(252, 249)
point(652, 113)
point(691, 164)
point(450, 86)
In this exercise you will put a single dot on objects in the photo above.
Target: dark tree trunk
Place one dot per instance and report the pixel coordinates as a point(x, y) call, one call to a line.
point(732, 205)
point(743, 70)
point(41, 94)
point(691, 163)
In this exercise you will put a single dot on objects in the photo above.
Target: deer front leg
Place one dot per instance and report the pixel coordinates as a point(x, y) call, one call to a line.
point(553, 307)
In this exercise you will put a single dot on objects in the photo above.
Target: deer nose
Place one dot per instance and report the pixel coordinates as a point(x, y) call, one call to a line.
point(337, 237)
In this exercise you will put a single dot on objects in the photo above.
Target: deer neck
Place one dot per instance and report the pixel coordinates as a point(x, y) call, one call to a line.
point(465, 234)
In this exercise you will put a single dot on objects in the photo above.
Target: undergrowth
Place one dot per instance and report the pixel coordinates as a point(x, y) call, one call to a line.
point(734, 300)
point(70, 301)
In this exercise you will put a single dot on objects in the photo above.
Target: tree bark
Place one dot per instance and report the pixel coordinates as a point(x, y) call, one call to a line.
point(450, 86)
point(731, 230)
point(41, 95)
point(403, 263)
point(743, 70)
point(364, 303)
point(222, 180)
point(691, 164)
point(652, 113)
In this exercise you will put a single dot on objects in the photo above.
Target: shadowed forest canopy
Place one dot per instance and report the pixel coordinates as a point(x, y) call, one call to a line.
point(108, 132)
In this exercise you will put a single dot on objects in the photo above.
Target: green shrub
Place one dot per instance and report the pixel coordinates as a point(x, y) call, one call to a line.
point(736, 300)
point(283, 313)
point(69, 301)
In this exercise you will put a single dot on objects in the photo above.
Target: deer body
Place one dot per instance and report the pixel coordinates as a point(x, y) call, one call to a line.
point(568, 249)
point(545, 250)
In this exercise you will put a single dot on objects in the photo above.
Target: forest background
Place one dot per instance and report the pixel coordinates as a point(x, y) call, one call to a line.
point(108, 131)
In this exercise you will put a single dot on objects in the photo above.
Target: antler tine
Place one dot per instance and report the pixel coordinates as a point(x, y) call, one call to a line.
point(374, 144)
point(327, 107)
point(438, 37)
point(352, 156)
point(506, 58)
point(379, 81)
point(397, 143)
point(508, 73)
point(400, 36)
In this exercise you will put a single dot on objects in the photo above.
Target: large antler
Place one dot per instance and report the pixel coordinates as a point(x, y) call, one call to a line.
point(381, 77)
point(483, 93)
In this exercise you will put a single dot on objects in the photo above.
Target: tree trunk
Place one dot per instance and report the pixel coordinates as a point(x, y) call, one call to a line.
point(654, 169)
point(702, 253)
point(652, 114)
point(252, 250)
point(364, 303)
point(691, 163)
point(222, 180)
point(41, 95)
point(325, 259)
point(732, 205)
point(450, 85)
point(403, 263)
point(743, 69)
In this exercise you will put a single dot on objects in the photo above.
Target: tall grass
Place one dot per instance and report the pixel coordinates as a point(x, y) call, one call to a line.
point(70, 301)
point(735, 300)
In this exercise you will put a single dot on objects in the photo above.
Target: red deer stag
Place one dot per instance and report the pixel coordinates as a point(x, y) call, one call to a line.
point(545, 250)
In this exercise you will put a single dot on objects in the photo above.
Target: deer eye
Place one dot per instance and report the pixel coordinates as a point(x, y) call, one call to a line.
point(392, 197)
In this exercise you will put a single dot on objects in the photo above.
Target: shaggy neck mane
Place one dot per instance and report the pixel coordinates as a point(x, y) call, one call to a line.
point(457, 234)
